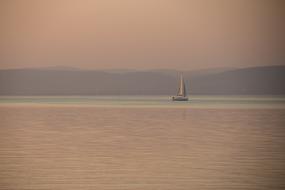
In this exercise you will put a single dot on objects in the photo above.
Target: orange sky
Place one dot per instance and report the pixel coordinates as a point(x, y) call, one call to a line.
point(141, 34)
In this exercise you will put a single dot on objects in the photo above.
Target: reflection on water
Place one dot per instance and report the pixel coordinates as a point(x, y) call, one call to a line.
point(85, 147)
point(151, 101)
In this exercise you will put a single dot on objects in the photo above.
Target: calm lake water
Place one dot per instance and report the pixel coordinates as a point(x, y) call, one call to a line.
point(142, 143)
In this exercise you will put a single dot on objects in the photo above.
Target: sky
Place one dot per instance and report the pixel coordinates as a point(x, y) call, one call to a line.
point(141, 34)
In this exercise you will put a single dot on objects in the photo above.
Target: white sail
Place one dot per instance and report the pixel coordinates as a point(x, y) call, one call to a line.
point(181, 94)
point(182, 88)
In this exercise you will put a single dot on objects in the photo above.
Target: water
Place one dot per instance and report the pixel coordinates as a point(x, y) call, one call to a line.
point(142, 143)
point(247, 102)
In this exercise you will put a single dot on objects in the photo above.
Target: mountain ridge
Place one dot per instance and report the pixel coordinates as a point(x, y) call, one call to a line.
point(266, 80)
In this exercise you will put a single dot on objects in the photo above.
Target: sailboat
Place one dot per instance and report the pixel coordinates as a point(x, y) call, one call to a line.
point(181, 94)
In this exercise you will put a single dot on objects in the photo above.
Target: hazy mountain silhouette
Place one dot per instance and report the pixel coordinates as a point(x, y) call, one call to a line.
point(68, 81)
point(254, 80)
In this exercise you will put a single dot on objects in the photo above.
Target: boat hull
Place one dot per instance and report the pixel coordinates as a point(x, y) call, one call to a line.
point(179, 98)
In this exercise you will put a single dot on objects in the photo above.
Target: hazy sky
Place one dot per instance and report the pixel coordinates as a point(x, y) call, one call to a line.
point(141, 34)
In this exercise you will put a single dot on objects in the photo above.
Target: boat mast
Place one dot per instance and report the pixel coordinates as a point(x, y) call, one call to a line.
point(182, 88)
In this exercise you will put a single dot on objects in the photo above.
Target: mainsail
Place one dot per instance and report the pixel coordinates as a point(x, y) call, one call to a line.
point(182, 88)
point(181, 94)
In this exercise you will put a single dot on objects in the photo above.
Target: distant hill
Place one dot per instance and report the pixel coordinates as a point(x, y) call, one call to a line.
point(268, 80)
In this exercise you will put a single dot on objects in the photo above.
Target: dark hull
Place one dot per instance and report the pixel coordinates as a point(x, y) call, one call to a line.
point(179, 98)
